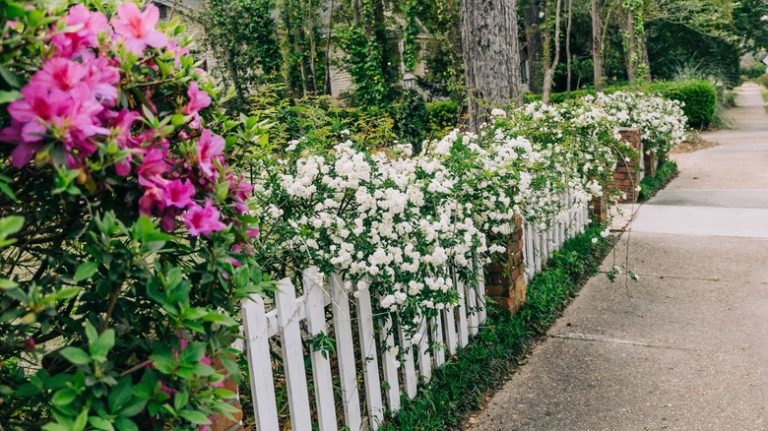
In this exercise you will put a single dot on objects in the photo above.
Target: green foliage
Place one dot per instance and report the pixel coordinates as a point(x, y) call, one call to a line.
point(242, 35)
point(699, 99)
point(443, 116)
point(460, 386)
point(665, 173)
point(411, 119)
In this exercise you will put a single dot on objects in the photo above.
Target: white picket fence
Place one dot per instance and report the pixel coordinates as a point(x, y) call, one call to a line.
point(389, 360)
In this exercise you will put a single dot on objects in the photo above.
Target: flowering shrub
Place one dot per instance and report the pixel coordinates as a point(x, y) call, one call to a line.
point(404, 225)
point(662, 121)
point(121, 289)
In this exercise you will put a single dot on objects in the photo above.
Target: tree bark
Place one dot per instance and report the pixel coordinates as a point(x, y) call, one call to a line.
point(568, 56)
point(630, 47)
point(533, 44)
point(491, 56)
point(597, 45)
point(550, 65)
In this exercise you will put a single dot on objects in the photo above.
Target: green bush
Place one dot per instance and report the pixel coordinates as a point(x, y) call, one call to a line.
point(699, 98)
point(763, 80)
point(460, 386)
point(411, 119)
point(442, 117)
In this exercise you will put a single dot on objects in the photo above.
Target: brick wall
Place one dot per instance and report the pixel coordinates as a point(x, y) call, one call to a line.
point(628, 173)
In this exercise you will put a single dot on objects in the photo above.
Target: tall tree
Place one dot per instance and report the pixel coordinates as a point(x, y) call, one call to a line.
point(533, 44)
point(551, 46)
point(597, 44)
point(568, 54)
point(635, 49)
point(491, 55)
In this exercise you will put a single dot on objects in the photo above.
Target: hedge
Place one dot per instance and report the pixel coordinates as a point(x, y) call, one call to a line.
point(442, 116)
point(699, 97)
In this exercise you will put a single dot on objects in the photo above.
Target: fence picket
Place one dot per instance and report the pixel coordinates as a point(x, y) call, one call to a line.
point(260, 364)
point(390, 365)
point(409, 369)
point(345, 352)
point(370, 359)
point(462, 309)
point(293, 355)
point(472, 310)
point(425, 359)
point(436, 332)
point(449, 323)
point(314, 304)
point(482, 313)
point(529, 258)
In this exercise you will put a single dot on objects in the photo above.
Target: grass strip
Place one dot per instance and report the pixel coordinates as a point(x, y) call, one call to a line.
point(460, 386)
point(665, 173)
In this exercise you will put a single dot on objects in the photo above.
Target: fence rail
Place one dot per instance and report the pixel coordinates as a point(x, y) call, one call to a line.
point(385, 363)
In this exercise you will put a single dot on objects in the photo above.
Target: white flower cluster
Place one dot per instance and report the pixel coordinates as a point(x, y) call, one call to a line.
point(661, 121)
point(407, 227)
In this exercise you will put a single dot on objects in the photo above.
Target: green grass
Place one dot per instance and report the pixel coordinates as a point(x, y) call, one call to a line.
point(665, 173)
point(459, 387)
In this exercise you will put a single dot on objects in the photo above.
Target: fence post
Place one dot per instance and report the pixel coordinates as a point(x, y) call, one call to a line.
point(628, 174)
point(505, 281)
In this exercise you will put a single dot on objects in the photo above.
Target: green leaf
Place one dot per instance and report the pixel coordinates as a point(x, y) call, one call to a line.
point(8, 191)
point(103, 344)
point(120, 395)
point(75, 355)
point(7, 284)
point(180, 400)
point(54, 427)
point(134, 408)
point(125, 424)
point(11, 224)
point(81, 420)
point(10, 77)
point(195, 417)
point(63, 397)
point(91, 333)
point(9, 96)
point(86, 270)
point(100, 423)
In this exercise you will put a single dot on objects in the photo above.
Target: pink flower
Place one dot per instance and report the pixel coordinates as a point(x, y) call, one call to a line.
point(82, 31)
point(253, 233)
point(209, 149)
point(198, 99)
point(178, 193)
point(137, 28)
point(61, 74)
point(203, 220)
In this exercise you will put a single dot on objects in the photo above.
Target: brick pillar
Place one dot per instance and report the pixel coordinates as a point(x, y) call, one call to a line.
point(627, 176)
point(221, 423)
point(651, 162)
point(505, 281)
point(599, 210)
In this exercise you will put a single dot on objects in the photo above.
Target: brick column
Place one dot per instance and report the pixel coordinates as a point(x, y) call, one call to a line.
point(221, 423)
point(505, 281)
point(627, 176)
point(651, 162)
point(599, 210)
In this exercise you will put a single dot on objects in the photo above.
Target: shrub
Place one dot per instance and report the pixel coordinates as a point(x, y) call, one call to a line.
point(649, 186)
point(443, 116)
point(128, 251)
point(699, 99)
point(411, 119)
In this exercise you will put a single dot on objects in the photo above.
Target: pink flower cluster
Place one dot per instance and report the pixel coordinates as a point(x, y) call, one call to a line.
point(74, 102)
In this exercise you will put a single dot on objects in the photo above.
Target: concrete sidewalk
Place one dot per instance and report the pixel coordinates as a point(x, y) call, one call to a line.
point(686, 348)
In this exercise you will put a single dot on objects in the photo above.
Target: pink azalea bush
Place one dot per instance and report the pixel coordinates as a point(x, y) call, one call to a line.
point(122, 286)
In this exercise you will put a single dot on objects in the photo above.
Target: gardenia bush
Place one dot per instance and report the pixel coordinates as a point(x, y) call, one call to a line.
point(662, 122)
point(127, 252)
point(404, 226)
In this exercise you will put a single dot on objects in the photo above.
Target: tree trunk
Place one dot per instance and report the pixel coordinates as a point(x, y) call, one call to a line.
point(491, 56)
point(549, 71)
point(533, 45)
point(630, 47)
point(568, 57)
point(597, 48)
